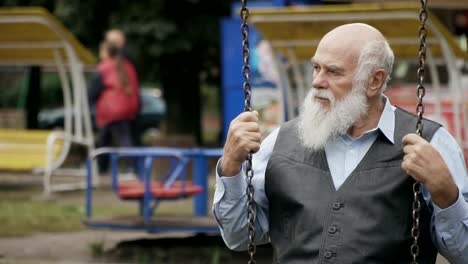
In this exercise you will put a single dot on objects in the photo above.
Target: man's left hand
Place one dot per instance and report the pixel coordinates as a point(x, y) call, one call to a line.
point(425, 164)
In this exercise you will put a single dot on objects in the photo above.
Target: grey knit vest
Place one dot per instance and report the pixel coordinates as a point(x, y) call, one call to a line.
point(367, 220)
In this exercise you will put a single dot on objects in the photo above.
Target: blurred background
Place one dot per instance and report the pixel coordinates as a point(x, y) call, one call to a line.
point(177, 49)
point(187, 55)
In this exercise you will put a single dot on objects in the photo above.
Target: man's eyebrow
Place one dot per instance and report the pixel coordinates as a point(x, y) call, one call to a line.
point(335, 68)
point(330, 67)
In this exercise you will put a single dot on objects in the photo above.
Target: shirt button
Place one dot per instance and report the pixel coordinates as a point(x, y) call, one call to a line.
point(336, 205)
point(442, 220)
point(328, 255)
point(332, 230)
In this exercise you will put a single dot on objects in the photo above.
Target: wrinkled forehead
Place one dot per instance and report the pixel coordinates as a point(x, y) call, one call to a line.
point(337, 52)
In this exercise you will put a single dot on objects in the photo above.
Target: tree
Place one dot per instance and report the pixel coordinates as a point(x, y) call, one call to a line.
point(178, 40)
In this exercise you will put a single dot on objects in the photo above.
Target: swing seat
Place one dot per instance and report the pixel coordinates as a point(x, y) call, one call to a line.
point(179, 189)
point(25, 150)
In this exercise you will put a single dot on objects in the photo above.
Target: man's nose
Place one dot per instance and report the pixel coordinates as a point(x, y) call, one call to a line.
point(319, 80)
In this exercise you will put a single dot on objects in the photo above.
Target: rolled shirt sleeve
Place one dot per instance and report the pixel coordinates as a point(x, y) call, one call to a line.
point(230, 200)
point(450, 225)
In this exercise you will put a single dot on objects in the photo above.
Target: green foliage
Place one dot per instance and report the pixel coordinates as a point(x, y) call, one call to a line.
point(154, 27)
point(151, 29)
point(51, 94)
point(13, 82)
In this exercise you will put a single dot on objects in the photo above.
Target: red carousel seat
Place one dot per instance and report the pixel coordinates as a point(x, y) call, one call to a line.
point(136, 190)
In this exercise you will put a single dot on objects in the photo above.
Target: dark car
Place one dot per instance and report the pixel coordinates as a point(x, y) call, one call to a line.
point(152, 112)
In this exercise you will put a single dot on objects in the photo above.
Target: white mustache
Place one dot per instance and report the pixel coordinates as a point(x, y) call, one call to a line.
point(323, 93)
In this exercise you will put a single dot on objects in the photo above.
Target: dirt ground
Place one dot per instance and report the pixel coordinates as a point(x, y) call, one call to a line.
point(76, 247)
point(103, 246)
point(123, 247)
point(98, 246)
point(120, 247)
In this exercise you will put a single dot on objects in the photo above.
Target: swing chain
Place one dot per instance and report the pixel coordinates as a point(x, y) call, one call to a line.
point(251, 248)
point(421, 91)
point(416, 214)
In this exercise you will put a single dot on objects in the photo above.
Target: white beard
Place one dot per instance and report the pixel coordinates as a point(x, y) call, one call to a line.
point(318, 125)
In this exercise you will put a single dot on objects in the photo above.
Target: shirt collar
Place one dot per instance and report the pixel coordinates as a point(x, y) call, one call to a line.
point(387, 120)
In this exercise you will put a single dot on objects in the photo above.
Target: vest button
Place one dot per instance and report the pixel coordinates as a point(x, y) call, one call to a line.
point(332, 230)
point(336, 205)
point(328, 255)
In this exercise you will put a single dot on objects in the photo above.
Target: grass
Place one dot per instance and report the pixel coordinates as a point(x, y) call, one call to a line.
point(21, 215)
point(21, 218)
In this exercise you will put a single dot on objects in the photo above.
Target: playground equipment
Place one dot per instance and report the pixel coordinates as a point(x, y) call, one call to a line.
point(148, 192)
point(32, 36)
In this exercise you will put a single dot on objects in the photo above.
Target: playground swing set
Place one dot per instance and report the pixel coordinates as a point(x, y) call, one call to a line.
point(33, 37)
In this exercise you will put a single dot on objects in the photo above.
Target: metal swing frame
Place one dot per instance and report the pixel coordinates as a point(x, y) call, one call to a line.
point(35, 37)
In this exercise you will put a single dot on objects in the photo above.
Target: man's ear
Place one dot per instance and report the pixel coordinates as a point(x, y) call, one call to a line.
point(376, 82)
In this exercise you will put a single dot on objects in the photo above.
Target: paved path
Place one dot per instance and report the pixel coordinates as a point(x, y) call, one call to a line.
point(64, 247)
point(71, 248)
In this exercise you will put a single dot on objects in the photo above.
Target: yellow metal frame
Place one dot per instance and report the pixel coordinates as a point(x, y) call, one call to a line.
point(301, 28)
point(295, 32)
point(32, 36)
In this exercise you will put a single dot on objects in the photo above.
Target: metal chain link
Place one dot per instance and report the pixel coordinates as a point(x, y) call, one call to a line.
point(422, 61)
point(421, 91)
point(251, 247)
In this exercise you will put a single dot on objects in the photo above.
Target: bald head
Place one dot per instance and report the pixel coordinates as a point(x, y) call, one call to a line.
point(117, 37)
point(355, 32)
point(348, 40)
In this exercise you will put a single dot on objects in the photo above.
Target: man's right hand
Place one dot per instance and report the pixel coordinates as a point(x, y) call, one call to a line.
point(243, 137)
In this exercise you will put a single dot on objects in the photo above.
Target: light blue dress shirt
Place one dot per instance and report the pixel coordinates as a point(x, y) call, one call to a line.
point(450, 225)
